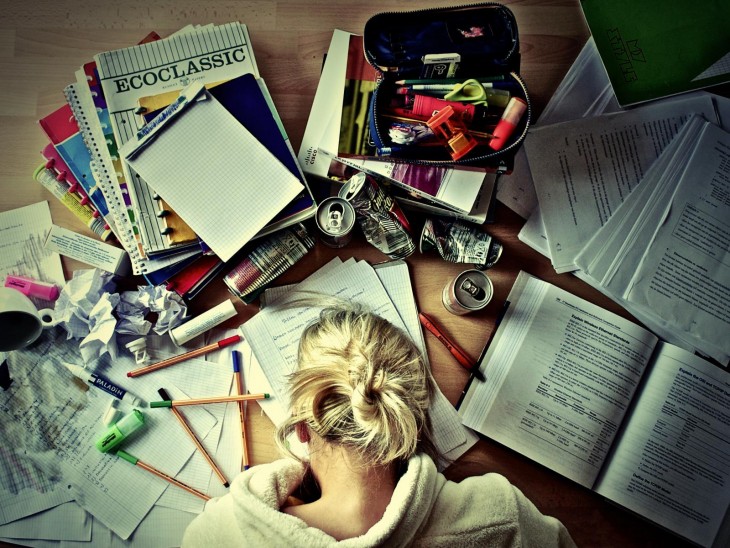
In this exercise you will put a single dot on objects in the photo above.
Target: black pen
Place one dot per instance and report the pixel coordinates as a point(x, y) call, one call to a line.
point(502, 312)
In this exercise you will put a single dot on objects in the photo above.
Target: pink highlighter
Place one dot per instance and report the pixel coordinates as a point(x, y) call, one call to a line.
point(33, 288)
point(507, 124)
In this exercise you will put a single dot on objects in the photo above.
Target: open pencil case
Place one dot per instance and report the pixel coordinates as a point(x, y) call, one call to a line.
point(471, 54)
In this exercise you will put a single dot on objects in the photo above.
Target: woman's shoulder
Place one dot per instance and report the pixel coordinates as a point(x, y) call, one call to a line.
point(489, 510)
point(255, 496)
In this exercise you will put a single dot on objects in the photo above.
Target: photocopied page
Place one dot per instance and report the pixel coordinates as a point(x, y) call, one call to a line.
point(561, 373)
point(672, 461)
point(685, 274)
point(584, 169)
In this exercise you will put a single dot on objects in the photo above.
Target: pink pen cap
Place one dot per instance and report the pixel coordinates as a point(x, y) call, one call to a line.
point(506, 126)
point(33, 288)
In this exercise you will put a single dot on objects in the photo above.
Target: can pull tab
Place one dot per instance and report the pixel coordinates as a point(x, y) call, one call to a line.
point(335, 216)
point(474, 290)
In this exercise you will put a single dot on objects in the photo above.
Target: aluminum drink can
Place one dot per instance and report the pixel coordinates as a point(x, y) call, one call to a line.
point(381, 219)
point(335, 220)
point(460, 242)
point(469, 291)
point(268, 260)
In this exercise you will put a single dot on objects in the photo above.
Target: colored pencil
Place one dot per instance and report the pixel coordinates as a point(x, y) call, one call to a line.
point(134, 460)
point(182, 357)
point(163, 394)
point(238, 378)
point(203, 401)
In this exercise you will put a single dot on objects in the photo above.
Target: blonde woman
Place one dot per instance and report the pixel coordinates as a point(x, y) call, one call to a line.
point(359, 401)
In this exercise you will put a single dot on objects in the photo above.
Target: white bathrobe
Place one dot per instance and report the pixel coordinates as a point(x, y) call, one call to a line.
point(426, 510)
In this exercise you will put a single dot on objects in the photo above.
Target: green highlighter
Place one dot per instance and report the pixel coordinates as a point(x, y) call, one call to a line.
point(119, 431)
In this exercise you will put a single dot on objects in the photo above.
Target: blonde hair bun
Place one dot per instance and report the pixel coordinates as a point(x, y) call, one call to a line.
point(362, 382)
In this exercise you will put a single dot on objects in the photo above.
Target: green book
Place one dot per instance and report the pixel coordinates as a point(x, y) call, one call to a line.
point(656, 48)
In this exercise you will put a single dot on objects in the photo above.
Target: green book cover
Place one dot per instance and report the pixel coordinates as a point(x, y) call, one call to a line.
point(656, 48)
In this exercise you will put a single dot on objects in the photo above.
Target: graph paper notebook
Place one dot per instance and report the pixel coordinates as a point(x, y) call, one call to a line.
point(222, 181)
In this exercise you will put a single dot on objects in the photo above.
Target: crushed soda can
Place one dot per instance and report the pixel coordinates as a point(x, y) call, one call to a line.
point(460, 242)
point(381, 219)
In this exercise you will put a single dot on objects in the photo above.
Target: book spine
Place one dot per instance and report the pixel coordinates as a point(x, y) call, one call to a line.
point(105, 175)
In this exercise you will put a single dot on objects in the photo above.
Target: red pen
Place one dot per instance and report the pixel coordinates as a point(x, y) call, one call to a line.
point(457, 352)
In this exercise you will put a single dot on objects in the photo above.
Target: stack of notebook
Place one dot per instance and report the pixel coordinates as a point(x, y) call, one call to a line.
point(184, 197)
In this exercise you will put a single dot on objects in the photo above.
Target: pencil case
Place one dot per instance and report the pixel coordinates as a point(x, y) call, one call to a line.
point(480, 114)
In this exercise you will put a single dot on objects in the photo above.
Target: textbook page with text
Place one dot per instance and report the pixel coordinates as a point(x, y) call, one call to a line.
point(597, 399)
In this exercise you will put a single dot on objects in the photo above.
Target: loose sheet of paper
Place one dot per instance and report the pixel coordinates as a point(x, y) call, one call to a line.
point(584, 169)
point(23, 233)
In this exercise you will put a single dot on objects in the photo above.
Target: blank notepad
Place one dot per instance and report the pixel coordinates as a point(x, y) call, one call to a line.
point(217, 176)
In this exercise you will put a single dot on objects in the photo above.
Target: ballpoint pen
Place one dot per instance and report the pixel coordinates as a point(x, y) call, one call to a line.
point(458, 353)
point(502, 312)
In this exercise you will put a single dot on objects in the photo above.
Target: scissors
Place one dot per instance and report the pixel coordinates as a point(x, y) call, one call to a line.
point(469, 91)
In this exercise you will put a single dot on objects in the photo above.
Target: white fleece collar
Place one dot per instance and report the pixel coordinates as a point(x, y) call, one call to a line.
point(271, 484)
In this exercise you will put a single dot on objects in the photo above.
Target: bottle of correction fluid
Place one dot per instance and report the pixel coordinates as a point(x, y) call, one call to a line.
point(119, 431)
point(104, 384)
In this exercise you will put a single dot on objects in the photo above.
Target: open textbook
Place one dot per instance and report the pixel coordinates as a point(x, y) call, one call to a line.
point(603, 402)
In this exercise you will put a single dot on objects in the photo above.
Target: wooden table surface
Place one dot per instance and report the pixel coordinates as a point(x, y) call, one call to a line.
point(42, 44)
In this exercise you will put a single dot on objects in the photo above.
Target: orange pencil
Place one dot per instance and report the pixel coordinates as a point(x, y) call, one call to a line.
point(457, 352)
point(182, 357)
point(134, 460)
point(241, 407)
point(163, 393)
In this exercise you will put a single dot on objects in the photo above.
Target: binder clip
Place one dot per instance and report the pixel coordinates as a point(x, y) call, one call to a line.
point(448, 128)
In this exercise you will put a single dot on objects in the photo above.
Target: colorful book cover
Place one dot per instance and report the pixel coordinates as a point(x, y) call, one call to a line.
point(62, 130)
point(657, 48)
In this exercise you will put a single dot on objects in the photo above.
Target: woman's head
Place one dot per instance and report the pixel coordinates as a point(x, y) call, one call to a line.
point(361, 384)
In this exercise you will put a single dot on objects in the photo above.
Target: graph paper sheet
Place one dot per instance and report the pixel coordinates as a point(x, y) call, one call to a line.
point(209, 168)
point(52, 423)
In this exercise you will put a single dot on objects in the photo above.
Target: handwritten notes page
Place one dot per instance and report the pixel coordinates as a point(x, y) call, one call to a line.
point(59, 435)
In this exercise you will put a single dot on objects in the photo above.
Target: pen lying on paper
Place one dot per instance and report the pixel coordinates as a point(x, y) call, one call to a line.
point(189, 431)
point(135, 461)
point(238, 380)
point(182, 357)
point(202, 401)
point(457, 352)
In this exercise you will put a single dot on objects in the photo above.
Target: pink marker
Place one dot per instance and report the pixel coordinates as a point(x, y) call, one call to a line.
point(33, 288)
point(507, 124)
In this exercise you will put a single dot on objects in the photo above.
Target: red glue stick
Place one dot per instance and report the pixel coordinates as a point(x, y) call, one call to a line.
point(33, 288)
point(507, 124)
